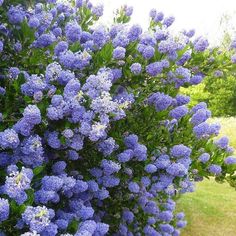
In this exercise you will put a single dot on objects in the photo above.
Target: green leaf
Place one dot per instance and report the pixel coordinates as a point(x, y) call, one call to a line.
point(38, 170)
point(73, 226)
point(30, 199)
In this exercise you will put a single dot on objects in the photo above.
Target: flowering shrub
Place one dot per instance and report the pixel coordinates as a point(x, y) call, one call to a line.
point(95, 137)
point(220, 78)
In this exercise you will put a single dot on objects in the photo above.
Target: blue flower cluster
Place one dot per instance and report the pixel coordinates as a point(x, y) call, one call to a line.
point(95, 137)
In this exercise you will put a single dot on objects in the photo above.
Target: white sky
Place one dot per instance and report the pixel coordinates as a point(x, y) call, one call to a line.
point(202, 15)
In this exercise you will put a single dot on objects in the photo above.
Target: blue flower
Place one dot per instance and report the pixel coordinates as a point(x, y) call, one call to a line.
point(162, 162)
point(99, 37)
point(158, 17)
point(134, 32)
point(200, 116)
point(150, 168)
point(53, 183)
point(102, 228)
point(16, 14)
point(86, 213)
point(9, 139)
point(44, 40)
point(13, 72)
point(107, 146)
point(161, 101)
point(165, 216)
point(128, 10)
point(32, 151)
point(205, 157)
point(180, 151)
point(128, 216)
point(88, 225)
point(200, 44)
point(73, 31)
point(65, 76)
point(223, 142)
point(154, 68)
point(98, 10)
point(177, 169)
point(140, 152)
point(33, 85)
point(4, 209)
point(110, 167)
point(133, 187)
point(215, 169)
point(1, 45)
point(38, 218)
point(80, 186)
point(136, 68)
point(119, 53)
point(179, 112)
point(33, 22)
point(168, 21)
point(230, 160)
point(166, 228)
point(148, 52)
point(16, 184)
point(125, 156)
point(32, 115)
point(110, 181)
point(61, 47)
point(182, 100)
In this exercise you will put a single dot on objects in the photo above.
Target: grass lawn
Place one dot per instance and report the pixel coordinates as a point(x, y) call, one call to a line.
point(211, 209)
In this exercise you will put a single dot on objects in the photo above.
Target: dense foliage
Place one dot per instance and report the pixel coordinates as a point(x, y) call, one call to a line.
point(218, 88)
point(219, 93)
point(95, 137)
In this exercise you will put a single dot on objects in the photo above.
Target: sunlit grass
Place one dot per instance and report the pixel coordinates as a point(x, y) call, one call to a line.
point(210, 211)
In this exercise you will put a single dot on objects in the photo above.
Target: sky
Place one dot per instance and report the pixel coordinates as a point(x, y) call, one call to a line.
point(202, 15)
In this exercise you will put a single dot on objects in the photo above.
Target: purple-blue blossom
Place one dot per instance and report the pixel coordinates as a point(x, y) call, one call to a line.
point(98, 10)
point(154, 68)
point(37, 218)
point(230, 160)
point(73, 31)
point(119, 53)
point(177, 169)
point(16, 184)
point(161, 101)
point(179, 112)
point(215, 169)
point(180, 151)
point(9, 139)
point(205, 157)
point(4, 209)
point(168, 21)
point(200, 44)
point(125, 156)
point(136, 68)
point(133, 187)
point(1, 45)
point(16, 14)
point(150, 168)
point(223, 142)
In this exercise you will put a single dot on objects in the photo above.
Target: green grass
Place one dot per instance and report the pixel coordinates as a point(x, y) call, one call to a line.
point(211, 209)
